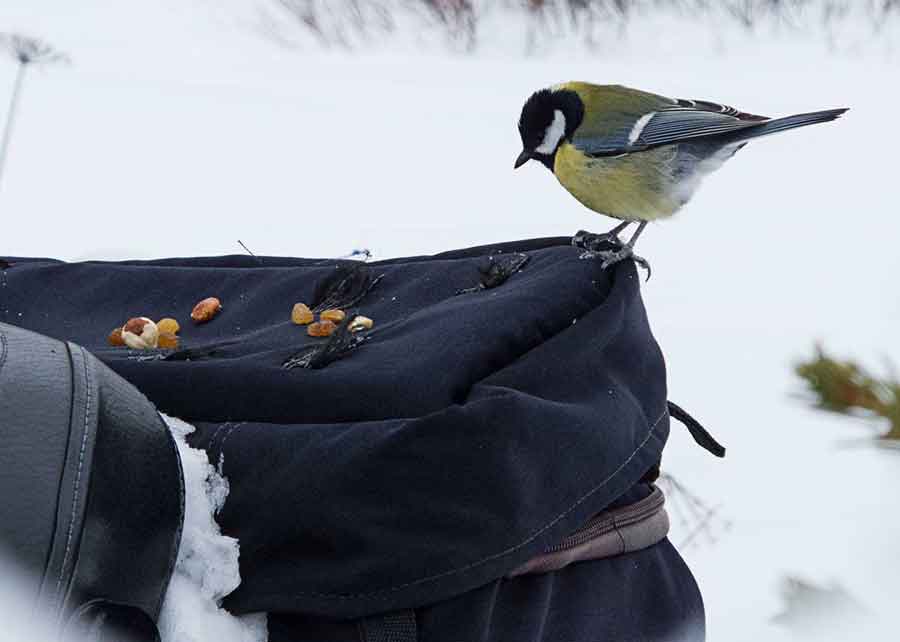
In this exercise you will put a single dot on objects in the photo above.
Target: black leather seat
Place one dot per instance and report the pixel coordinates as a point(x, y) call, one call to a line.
point(91, 489)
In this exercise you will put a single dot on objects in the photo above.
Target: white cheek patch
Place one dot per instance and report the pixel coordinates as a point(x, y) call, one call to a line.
point(554, 133)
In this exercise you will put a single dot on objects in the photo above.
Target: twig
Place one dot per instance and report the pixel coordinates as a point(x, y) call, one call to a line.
point(694, 515)
point(241, 243)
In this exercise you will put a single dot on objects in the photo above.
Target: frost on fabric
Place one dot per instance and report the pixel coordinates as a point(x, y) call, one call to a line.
point(207, 566)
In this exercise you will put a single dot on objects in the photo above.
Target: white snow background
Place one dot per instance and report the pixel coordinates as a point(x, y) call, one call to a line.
point(178, 129)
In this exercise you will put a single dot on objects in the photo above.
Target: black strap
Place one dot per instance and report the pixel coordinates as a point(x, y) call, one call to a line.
point(397, 626)
point(697, 431)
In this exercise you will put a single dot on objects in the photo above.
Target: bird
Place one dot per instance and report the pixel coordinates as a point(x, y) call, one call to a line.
point(633, 155)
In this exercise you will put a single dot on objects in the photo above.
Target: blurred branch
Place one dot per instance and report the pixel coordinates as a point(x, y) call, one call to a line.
point(698, 522)
point(813, 611)
point(461, 23)
point(846, 388)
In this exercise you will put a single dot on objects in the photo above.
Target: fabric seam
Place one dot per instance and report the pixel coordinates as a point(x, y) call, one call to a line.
point(511, 549)
point(221, 456)
point(212, 442)
point(3, 349)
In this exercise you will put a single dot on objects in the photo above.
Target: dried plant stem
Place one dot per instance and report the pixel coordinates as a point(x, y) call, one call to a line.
point(11, 116)
point(25, 51)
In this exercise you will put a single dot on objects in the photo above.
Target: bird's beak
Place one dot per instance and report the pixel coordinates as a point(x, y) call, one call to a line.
point(523, 158)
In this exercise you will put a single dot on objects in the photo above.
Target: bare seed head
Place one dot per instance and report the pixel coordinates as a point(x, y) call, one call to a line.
point(31, 51)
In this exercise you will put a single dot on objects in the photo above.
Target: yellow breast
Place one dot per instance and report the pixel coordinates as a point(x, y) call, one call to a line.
point(631, 187)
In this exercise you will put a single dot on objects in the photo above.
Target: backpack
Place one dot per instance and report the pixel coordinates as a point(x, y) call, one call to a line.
point(478, 465)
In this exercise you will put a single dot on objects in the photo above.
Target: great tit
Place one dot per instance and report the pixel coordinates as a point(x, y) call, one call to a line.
point(633, 155)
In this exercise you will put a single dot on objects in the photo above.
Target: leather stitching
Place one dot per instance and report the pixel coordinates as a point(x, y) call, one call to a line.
point(77, 486)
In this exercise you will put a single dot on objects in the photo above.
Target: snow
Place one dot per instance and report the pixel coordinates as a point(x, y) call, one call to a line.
point(16, 598)
point(180, 113)
point(207, 566)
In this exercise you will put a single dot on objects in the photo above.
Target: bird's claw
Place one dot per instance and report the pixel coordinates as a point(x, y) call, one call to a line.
point(593, 242)
point(610, 258)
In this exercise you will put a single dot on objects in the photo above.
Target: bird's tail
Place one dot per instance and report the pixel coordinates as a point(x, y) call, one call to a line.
point(777, 125)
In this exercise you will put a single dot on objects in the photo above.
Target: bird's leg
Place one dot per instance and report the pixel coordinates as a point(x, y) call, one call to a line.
point(611, 257)
point(592, 242)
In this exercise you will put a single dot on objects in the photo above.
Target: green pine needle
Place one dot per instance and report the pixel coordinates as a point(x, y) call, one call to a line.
point(845, 387)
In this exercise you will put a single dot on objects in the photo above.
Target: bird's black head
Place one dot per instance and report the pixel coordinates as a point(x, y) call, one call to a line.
point(548, 117)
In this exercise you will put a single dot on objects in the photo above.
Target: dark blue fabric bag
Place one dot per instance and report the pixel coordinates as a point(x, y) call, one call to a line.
point(416, 480)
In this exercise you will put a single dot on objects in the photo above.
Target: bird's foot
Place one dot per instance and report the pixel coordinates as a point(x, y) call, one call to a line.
point(612, 257)
point(593, 242)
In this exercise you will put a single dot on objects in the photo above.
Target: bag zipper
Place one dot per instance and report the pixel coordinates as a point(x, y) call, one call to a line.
point(604, 523)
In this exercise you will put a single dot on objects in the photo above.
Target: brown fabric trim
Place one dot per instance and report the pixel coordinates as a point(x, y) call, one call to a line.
point(623, 530)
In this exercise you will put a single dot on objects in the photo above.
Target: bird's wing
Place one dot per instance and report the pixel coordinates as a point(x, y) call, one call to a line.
point(682, 123)
point(705, 105)
point(673, 122)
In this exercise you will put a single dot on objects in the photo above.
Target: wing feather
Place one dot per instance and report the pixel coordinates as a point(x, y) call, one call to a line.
point(683, 123)
point(683, 120)
point(706, 105)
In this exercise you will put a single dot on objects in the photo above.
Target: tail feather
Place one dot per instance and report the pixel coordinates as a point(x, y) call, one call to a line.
point(777, 125)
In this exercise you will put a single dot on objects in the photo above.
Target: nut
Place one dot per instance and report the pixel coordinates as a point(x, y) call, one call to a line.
point(140, 333)
point(206, 309)
point(361, 323)
point(168, 341)
point(115, 338)
point(333, 315)
point(168, 326)
point(321, 329)
point(301, 314)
